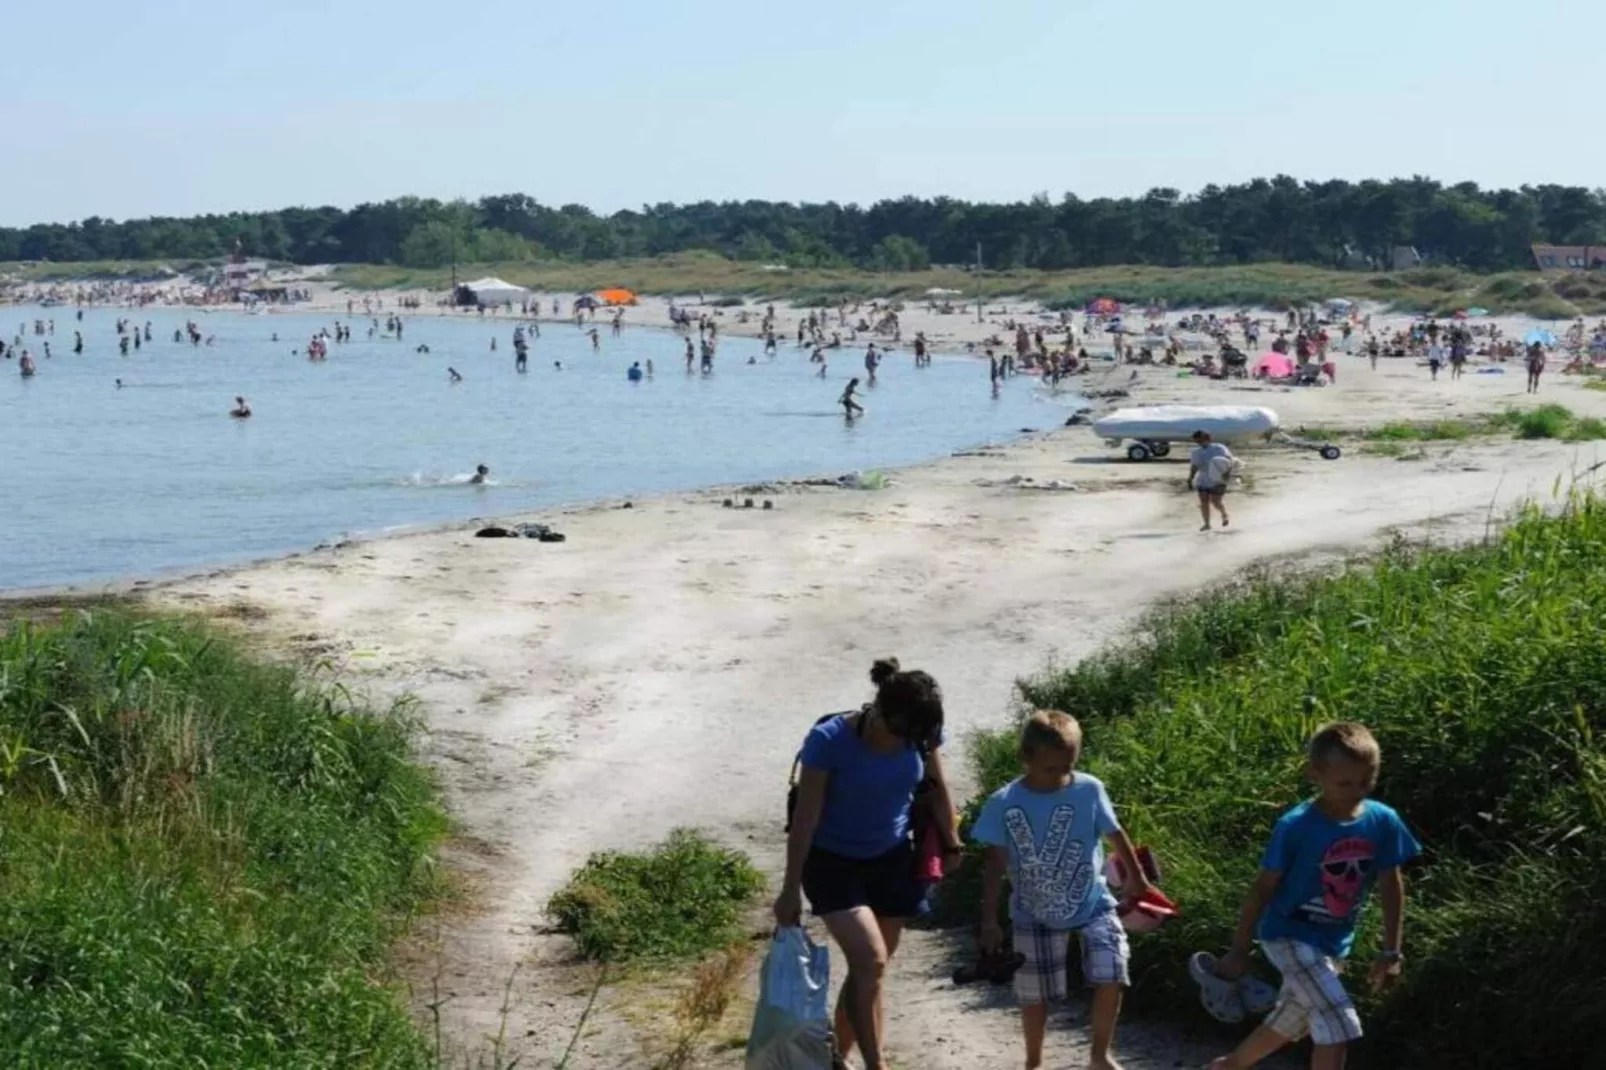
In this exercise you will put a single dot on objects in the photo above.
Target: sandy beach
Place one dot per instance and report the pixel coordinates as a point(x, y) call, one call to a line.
point(660, 667)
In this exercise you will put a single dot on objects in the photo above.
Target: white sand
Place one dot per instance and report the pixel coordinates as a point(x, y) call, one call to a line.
point(660, 668)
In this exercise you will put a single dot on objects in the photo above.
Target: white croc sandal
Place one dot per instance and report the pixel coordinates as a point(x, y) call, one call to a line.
point(1221, 998)
point(1258, 996)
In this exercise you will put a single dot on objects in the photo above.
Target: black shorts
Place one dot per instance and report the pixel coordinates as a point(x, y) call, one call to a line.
point(886, 884)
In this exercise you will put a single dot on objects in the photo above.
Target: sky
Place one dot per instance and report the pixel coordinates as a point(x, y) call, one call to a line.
point(185, 107)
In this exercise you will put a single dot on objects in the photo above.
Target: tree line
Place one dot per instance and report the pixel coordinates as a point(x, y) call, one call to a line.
point(1333, 223)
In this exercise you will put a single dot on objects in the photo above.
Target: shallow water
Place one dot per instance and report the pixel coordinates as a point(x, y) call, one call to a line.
point(101, 483)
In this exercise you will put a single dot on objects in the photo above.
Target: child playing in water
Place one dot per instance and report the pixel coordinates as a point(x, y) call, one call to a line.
point(1323, 858)
point(1044, 828)
point(850, 407)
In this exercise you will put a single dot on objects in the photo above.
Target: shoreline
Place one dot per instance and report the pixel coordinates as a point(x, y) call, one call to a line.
point(124, 586)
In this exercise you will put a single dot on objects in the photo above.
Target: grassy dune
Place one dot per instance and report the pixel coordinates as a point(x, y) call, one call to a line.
point(1437, 289)
point(1483, 672)
point(205, 859)
point(1441, 290)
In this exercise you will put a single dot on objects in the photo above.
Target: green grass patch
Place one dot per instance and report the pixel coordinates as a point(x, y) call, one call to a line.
point(206, 859)
point(1552, 421)
point(1482, 670)
point(682, 899)
point(1437, 431)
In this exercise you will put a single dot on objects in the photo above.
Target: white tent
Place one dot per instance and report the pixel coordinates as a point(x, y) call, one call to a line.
point(493, 291)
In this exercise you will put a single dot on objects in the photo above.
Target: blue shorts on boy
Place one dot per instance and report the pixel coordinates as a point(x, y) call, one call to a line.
point(1056, 871)
point(1328, 869)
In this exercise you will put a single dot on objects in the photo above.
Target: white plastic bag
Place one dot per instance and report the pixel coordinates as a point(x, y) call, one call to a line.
point(792, 1026)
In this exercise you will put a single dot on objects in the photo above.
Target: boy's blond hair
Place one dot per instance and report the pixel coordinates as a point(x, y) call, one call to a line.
point(1050, 728)
point(1344, 740)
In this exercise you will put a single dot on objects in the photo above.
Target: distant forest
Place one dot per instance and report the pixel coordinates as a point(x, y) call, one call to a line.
point(1333, 224)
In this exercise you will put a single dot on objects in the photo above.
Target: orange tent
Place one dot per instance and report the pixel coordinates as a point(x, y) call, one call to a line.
point(616, 297)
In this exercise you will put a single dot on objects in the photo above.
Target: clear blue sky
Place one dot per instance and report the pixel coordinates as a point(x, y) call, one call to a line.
point(183, 106)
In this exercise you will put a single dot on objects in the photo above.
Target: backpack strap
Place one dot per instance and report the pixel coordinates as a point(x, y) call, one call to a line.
point(797, 760)
point(797, 764)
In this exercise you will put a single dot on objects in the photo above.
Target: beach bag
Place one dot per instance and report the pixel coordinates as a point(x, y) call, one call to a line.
point(791, 1024)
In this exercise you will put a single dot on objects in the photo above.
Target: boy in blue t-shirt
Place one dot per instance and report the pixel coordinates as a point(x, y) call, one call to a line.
point(1044, 828)
point(1323, 858)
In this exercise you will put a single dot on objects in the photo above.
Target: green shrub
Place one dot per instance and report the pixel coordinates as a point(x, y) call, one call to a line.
point(681, 899)
point(1483, 672)
point(1586, 429)
point(206, 859)
point(1546, 421)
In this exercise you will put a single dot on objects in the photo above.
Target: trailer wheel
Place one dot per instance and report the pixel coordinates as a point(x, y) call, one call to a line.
point(1137, 452)
point(1331, 453)
point(1160, 449)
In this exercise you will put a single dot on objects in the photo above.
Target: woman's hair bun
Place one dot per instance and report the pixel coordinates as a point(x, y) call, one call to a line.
point(883, 670)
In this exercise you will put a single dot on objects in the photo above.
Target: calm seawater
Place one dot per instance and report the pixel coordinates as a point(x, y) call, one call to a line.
point(100, 483)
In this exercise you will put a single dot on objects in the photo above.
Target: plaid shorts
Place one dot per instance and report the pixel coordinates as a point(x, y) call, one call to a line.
point(1048, 951)
point(1312, 999)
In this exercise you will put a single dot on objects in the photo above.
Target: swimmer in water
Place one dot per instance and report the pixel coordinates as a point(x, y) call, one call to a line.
point(455, 377)
point(480, 472)
point(851, 407)
point(241, 410)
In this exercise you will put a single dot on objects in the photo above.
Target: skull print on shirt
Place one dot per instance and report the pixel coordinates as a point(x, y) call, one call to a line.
point(1346, 865)
point(1053, 876)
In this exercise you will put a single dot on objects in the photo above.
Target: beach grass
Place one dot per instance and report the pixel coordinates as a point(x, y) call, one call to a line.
point(1437, 290)
point(1437, 431)
point(1270, 285)
point(679, 900)
point(1551, 420)
point(206, 859)
point(1481, 670)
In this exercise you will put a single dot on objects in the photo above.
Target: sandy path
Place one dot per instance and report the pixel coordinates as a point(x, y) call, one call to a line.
point(659, 668)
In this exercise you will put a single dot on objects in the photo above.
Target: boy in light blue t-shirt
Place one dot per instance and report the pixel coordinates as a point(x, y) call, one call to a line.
point(1323, 859)
point(1045, 828)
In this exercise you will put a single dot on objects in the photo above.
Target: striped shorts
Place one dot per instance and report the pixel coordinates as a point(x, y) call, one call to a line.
point(1048, 951)
point(1313, 1000)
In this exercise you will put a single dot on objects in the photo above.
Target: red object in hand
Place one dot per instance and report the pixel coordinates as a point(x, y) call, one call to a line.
point(1147, 912)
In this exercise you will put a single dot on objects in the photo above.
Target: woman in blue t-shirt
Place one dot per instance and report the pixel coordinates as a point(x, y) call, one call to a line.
point(849, 848)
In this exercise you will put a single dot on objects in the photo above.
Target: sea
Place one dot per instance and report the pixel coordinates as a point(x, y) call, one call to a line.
point(101, 482)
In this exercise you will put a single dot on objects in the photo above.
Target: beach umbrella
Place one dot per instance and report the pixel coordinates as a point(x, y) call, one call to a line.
point(1477, 312)
point(616, 297)
point(1540, 335)
point(1273, 365)
point(1104, 306)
